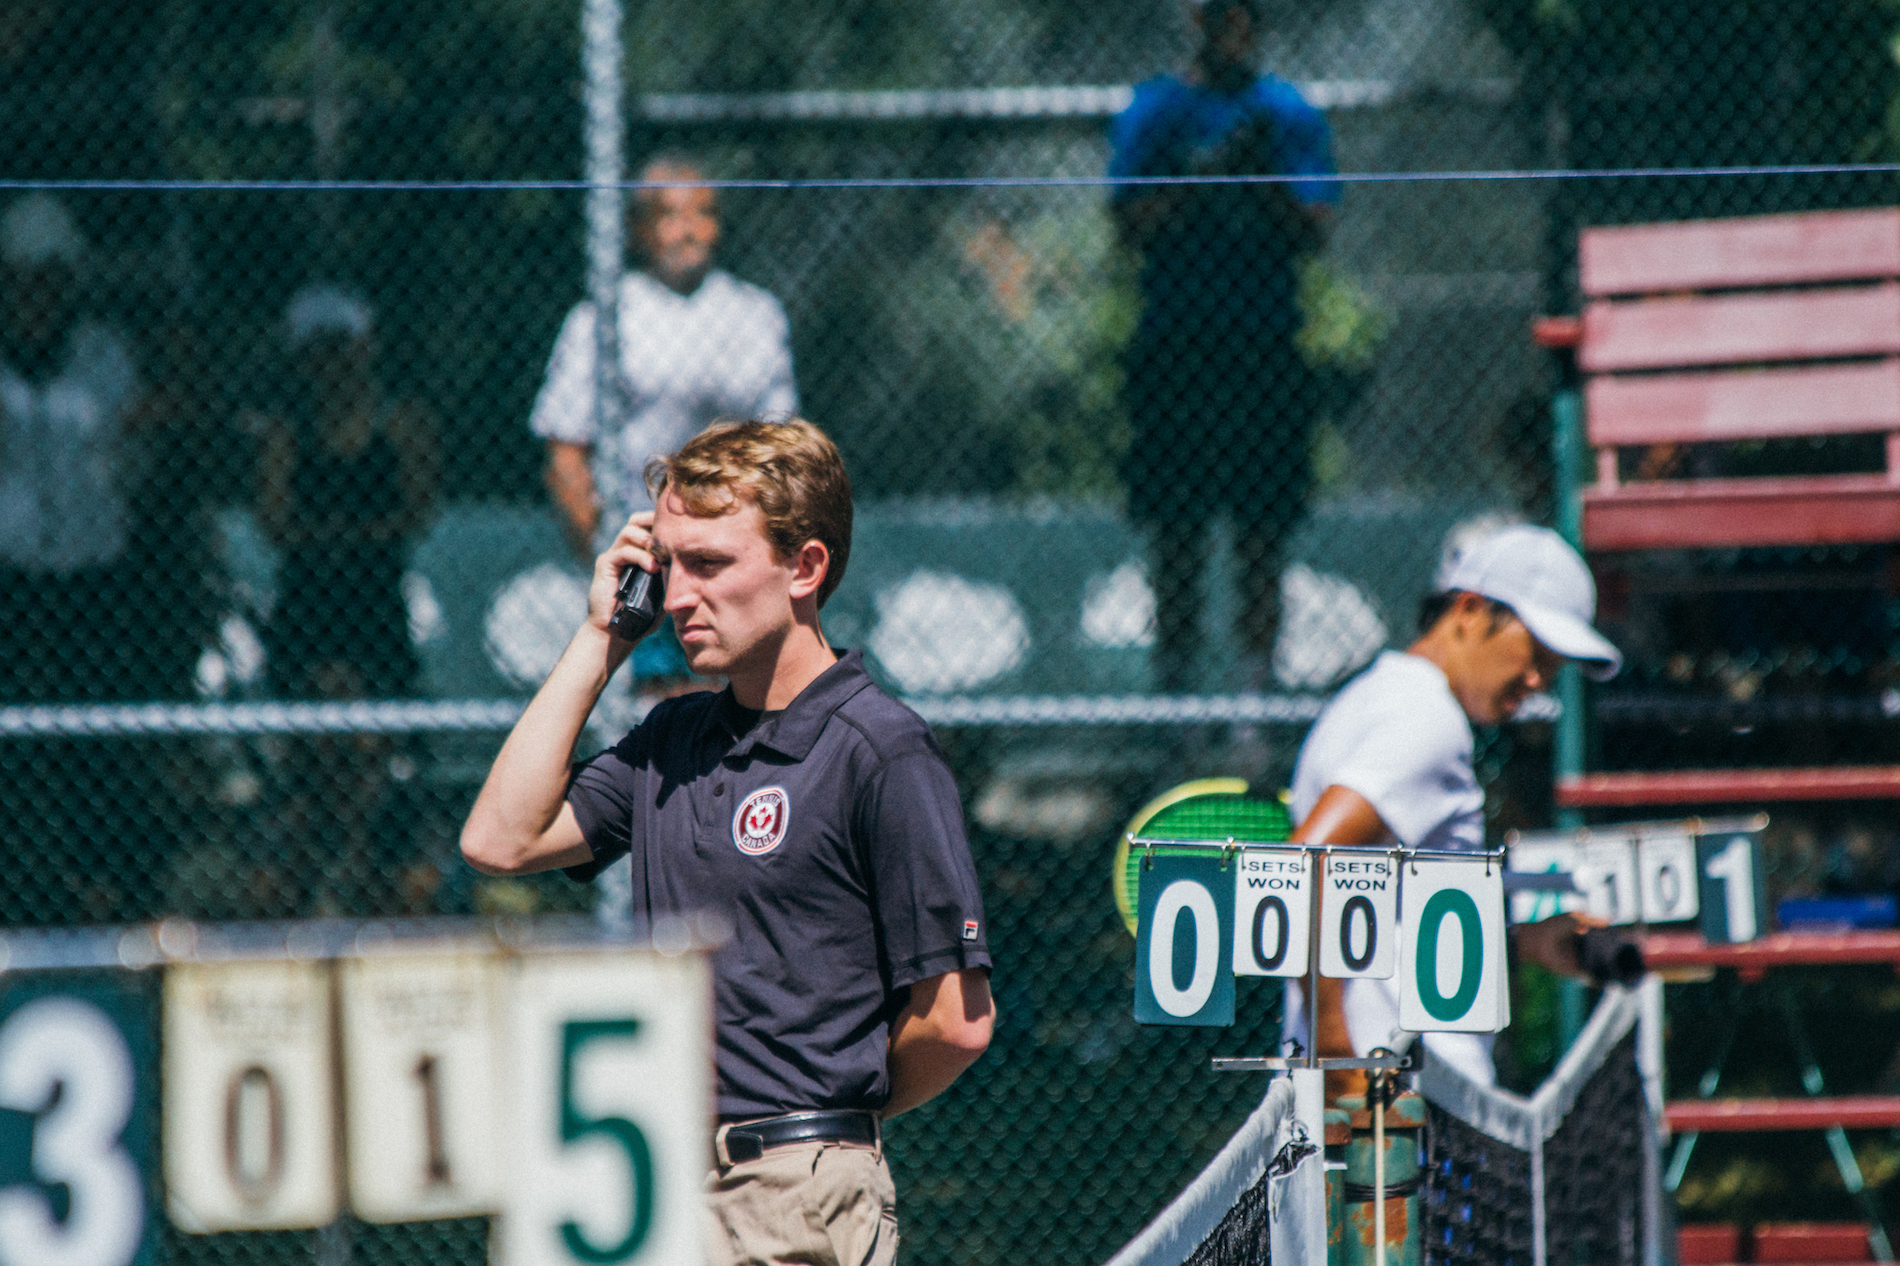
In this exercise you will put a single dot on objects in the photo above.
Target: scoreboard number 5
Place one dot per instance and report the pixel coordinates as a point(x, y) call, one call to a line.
point(607, 1136)
point(575, 1035)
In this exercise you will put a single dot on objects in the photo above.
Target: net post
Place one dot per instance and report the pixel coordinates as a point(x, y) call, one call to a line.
point(1380, 1084)
point(1317, 863)
point(1539, 1215)
point(1309, 1111)
point(1649, 1066)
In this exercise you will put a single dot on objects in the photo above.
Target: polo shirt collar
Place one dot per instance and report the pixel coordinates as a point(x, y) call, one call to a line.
point(794, 732)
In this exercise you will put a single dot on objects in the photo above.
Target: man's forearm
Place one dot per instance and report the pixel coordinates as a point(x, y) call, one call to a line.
point(526, 786)
point(923, 1068)
point(944, 1029)
point(570, 480)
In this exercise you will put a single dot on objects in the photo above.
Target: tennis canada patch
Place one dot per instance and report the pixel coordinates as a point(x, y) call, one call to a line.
point(759, 825)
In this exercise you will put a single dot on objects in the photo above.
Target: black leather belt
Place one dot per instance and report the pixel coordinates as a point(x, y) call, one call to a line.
point(747, 1140)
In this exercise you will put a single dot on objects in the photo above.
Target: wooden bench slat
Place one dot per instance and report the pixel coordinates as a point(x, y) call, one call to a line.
point(1853, 1112)
point(1728, 786)
point(1764, 250)
point(1735, 329)
point(1739, 405)
point(1666, 950)
point(1723, 513)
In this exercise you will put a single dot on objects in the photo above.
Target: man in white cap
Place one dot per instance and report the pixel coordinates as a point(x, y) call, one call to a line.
point(1390, 759)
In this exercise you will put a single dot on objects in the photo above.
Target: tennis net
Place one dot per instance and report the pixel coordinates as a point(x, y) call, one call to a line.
point(1570, 1172)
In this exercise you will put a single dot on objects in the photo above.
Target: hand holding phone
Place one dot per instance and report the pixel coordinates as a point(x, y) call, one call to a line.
point(638, 603)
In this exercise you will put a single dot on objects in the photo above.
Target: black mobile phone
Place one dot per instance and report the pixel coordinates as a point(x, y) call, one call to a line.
point(638, 603)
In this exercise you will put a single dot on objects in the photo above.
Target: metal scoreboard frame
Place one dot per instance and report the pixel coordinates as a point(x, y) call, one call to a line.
point(282, 1076)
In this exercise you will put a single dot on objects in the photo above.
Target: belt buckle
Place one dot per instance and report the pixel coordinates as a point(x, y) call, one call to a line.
point(742, 1146)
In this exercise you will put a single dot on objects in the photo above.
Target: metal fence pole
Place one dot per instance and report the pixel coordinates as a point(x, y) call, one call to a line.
point(602, 58)
point(1566, 416)
point(605, 141)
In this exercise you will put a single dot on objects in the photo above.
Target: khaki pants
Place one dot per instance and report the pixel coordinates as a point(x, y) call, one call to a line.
point(806, 1204)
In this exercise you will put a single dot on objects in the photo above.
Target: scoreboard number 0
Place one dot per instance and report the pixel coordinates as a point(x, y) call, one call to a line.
point(254, 1133)
point(1359, 905)
point(1272, 909)
point(1451, 968)
point(1186, 944)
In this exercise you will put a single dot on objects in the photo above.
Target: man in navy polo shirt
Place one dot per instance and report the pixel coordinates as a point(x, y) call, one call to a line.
point(802, 801)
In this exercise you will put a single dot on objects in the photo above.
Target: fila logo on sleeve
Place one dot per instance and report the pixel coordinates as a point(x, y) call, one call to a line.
point(759, 825)
point(969, 929)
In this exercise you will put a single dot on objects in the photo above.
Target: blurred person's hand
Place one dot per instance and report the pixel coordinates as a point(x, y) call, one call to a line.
point(1552, 943)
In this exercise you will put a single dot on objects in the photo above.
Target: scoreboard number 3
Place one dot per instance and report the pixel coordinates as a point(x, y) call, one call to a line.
point(63, 1060)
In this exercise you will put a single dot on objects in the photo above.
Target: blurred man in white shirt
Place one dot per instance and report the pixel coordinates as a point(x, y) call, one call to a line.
point(696, 344)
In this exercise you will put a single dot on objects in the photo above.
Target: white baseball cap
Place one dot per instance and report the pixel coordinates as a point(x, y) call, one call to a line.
point(1545, 583)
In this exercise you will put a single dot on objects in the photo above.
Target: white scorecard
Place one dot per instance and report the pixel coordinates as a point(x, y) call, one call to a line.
point(248, 1100)
point(1452, 956)
point(1605, 871)
point(608, 1142)
point(1272, 910)
point(420, 1032)
point(1666, 877)
point(1358, 917)
point(1650, 872)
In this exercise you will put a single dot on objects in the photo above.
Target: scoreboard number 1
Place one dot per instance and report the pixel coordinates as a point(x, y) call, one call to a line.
point(1734, 902)
point(420, 1033)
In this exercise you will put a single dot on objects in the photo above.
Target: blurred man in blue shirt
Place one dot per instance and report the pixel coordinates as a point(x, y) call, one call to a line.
point(1216, 390)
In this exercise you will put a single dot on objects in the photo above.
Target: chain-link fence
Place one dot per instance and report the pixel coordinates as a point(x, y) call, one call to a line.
point(302, 443)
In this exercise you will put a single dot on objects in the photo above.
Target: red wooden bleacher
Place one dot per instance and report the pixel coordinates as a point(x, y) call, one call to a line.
point(1674, 951)
point(1730, 786)
point(1714, 331)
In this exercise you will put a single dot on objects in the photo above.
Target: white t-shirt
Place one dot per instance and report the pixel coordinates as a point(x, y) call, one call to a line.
point(1396, 735)
point(64, 456)
point(686, 360)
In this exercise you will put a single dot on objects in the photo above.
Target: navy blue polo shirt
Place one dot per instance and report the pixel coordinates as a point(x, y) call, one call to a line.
point(832, 835)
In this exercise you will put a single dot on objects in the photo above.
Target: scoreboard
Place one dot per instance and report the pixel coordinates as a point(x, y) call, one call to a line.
point(277, 1077)
point(1432, 919)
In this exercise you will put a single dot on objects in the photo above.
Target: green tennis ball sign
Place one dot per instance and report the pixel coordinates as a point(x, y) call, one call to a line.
point(1205, 809)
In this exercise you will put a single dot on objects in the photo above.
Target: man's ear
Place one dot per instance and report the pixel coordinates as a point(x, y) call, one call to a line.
point(1466, 607)
point(810, 568)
